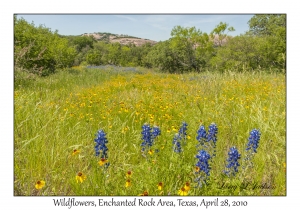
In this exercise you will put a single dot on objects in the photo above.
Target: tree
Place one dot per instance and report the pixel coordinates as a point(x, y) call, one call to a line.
point(125, 55)
point(161, 56)
point(267, 25)
point(246, 52)
point(218, 34)
point(273, 28)
point(39, 50)
point(114, 51)
point(93, 57)
point(239, 53)
point(190, 47)
point(142, 58)
point(183, 44)
point(187, 50)
point(81, 42)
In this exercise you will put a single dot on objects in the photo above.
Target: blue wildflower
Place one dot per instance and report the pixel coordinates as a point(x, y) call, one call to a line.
point(176, 142)
point(101, 142)
point(212, 133)
point(233, 164)
point(181, 135)
point(156, 132)
point(251, 148)
point(148, 135)
point(203, 158)
point(202, 167)
point(182, 130)
point(201, 137)
point(253, 140)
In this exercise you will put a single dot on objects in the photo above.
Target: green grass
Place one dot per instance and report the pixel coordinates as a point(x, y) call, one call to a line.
point(57, 114)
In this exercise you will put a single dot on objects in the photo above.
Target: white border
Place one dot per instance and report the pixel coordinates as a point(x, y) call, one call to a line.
point(8, 201)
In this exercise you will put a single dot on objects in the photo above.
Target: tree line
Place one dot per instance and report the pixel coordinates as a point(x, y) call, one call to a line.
point(41, 51)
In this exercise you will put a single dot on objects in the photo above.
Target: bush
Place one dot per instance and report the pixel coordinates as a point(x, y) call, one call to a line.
point(38, 50)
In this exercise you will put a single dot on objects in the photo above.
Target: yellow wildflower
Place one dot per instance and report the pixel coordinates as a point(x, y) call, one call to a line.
point(128, 174)
point(102, 161)
point(150, 152)
point(75, 151)
point(160, 186)
point(80, 177)
point(128, 183)
point(187, 186)
point(145, 193)
point(182, 191)
point(40, 184)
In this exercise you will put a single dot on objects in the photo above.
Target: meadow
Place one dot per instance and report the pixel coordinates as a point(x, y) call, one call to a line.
point(57, 119)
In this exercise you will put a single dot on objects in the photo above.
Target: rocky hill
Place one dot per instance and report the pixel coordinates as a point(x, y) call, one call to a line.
point(122, 39)
point(126, 39)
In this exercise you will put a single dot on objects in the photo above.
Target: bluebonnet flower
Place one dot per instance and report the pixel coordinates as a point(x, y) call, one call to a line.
point(176, 142)
point(156, 132)
point(148, 135)
point(181, 135)
point(251, 149)
point(202, 167)
point(182, 130)
point(201, 137)
point(233, 164)
point(212, 133)
point(211, 138)
point(101, 142)
point(203, 158)
point(253, 140)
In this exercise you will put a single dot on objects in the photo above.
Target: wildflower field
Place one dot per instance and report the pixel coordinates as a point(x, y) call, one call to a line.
point(129, 131)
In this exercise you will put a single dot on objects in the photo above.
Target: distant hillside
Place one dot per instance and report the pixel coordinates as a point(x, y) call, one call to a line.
point(122, 39)
point(126, 39)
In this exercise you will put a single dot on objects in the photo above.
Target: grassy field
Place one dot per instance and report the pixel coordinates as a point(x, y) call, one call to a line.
point(56, 120)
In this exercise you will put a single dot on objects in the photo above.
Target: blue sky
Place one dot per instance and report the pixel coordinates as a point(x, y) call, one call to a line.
point(151, 26)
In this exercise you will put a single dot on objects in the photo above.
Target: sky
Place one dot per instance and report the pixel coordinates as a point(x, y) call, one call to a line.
point(151, 26)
